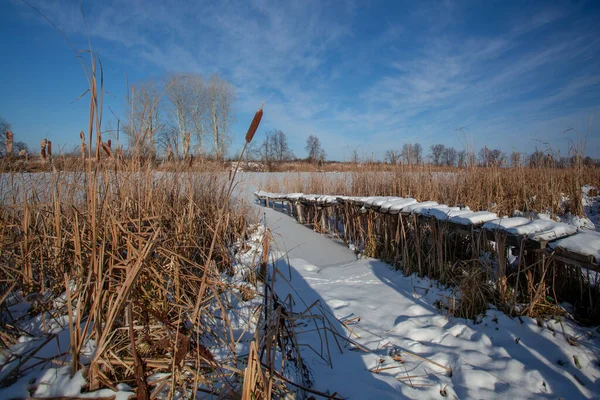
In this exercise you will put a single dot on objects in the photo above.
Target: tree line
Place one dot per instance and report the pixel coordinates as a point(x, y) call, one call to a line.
point(275, 148)
point(179, 116)
point(186, 115)
point(441, 155)
point(17, 148)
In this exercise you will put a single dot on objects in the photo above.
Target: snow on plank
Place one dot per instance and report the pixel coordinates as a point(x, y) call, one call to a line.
point(394, 206)
point(505, 223)
point(541, 230)
point(327, 200)
point(474, 218)
point(363, 201)
point(294, 196)
point(438, 211)
point(586, 243)
point(444, 214)
point(416, 208)
point(370, 202)
point(376, 204)
point(261, 194)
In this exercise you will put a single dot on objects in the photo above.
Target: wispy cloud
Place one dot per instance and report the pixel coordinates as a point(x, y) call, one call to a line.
point(346, 69)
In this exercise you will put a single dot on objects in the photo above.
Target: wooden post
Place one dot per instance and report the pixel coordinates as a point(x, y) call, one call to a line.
point(299, 212)
point(501, 252)
point(418, 243)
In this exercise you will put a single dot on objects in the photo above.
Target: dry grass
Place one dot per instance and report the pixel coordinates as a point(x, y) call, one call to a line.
point(501, 190)
point(138, 257)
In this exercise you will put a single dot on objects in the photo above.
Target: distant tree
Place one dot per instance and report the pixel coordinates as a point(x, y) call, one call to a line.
point(4, 127)
point(253, 152)
point(435, 153)
point(275, 148)
point(281, 147)
point(18, 146)
point(198, 108)
point(418, 151)
point(449, 156)
point(491, 157)
point(314, 149)
point(179, 113)
point(220, 97)
point(355, 157)
point(462, 158)
point(497, 157)
point(392, 156)
point(515, 159)
point(536, 159)
point(408, 154)
point(144, 119)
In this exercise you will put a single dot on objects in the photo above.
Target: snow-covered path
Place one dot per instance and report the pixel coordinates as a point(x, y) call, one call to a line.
point(497, 358)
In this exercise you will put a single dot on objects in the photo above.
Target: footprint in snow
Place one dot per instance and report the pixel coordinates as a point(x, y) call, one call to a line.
point(312, 268)
point(337, 304)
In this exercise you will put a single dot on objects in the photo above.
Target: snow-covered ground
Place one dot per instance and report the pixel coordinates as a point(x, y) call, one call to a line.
point(495, 357)
point(401, 345)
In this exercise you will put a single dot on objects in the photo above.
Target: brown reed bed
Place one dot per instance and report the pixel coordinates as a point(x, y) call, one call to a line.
point(145, 267)
point(556, 191)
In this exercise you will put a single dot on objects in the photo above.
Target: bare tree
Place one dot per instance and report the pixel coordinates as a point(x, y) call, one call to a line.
point(355, 157)
point(515, 159)
point(314, 149)
point(275, 148)
point(20, 146)
point(435, 153)
point(198, 110)
point(462, 158)
point(281, 149)
point(220, 98)
point(4, 127)
point(180, 112)
point(418, 153)
point(408, 153)
point(392, 156)
point(449, 156)
point(144, 119)
point(491, 158)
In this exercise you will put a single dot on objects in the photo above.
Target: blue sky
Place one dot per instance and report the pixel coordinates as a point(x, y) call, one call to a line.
point(512, 75)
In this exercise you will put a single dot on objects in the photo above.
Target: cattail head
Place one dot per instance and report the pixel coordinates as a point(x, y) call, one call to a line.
point(254, 125)
point(44, 143)
point(9, 142)
point(106, 149)
point(82, 136)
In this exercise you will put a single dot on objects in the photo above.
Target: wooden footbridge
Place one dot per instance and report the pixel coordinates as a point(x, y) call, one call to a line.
point(554, 260)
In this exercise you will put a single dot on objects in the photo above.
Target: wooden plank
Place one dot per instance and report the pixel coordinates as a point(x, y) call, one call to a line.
point(577, 263)
point(583, 258)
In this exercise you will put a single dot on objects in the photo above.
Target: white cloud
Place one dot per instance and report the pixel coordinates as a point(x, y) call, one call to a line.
point(318, 74)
